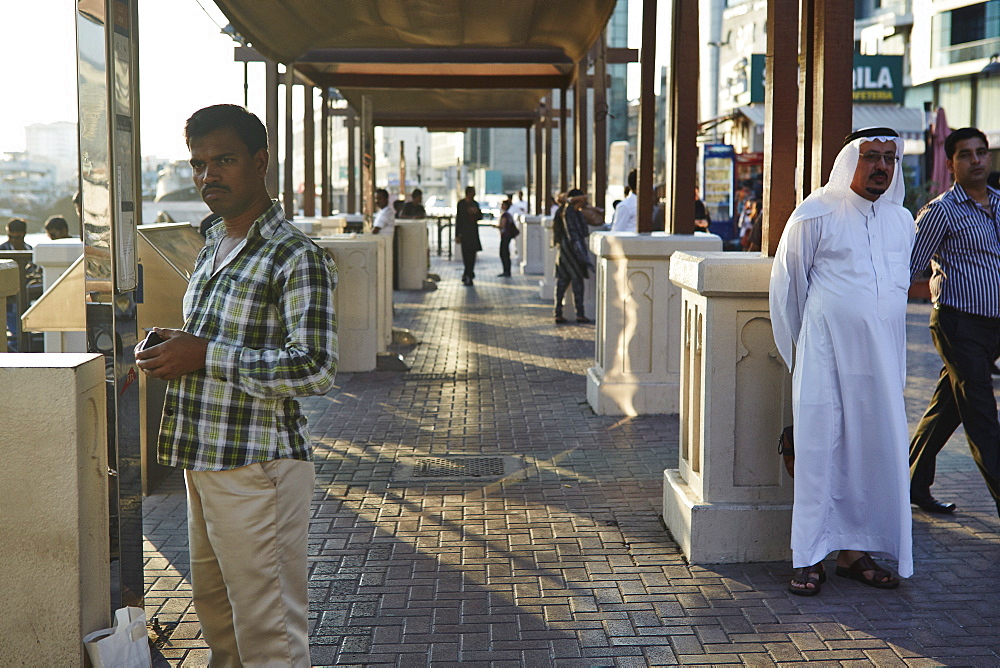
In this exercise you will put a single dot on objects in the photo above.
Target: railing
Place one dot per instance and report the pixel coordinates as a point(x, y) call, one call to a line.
point(960, 53)
point(443, 223)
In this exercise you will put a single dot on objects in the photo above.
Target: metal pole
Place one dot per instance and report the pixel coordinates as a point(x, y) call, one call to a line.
point(109, 145)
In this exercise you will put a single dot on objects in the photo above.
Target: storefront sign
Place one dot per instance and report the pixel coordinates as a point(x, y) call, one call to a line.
point(876, 79)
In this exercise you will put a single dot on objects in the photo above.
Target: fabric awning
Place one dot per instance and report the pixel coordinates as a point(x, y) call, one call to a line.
point(467, 60)
point(909, 123)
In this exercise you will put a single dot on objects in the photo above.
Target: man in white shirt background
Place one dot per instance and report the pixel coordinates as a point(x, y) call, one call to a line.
point(624, 220)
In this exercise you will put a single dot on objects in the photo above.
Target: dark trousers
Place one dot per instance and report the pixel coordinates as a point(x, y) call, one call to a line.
point(968, 345)
point(561, 285)
point(505, 255)
point(469, 259)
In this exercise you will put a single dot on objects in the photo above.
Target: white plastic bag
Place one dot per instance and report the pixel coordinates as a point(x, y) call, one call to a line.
point(124, 645)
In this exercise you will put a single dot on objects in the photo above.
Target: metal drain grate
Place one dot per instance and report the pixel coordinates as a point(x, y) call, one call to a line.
point(458, 467)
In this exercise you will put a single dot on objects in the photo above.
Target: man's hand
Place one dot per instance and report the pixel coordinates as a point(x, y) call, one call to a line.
point(179, 354)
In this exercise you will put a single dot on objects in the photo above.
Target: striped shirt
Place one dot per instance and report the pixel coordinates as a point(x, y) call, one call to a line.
point(961, 240)
point(268, 316)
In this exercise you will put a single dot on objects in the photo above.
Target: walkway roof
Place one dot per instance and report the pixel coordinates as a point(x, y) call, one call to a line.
point(446, 63)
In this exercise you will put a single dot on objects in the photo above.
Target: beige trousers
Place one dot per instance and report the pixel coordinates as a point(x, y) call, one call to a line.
point(248, 532)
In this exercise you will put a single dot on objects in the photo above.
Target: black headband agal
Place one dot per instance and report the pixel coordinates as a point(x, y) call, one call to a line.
point(870, 132)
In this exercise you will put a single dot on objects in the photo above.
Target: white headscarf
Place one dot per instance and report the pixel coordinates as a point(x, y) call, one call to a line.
point(823, 200)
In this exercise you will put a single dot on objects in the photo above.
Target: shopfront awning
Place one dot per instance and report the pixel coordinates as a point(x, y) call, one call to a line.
point(909, 123)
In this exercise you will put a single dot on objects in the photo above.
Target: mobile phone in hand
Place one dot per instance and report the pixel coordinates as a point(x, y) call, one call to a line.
point(152, 339)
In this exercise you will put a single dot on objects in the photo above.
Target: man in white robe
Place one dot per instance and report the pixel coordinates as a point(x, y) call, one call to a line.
point(838, 310)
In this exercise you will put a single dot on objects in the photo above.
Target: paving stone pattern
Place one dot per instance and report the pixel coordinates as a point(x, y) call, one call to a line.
point(565, 561)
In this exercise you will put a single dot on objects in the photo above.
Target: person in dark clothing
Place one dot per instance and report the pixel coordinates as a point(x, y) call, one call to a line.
point(414, 207)
point(508, 230)
point(467, 217)
point(569, 235)
point(702, 219)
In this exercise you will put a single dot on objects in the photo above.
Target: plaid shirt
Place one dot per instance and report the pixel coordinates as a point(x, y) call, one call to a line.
point(268, 316)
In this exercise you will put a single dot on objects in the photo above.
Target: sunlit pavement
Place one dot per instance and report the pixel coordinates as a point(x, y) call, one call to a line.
point(561, 558)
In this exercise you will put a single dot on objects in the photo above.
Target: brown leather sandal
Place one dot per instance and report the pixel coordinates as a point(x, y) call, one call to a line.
point(881, 579)
point(814, 575)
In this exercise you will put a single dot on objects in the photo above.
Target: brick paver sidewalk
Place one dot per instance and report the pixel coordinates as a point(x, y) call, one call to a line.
point(563, 560)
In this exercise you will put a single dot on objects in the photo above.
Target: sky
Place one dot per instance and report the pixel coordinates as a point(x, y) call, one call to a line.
point(185, 63)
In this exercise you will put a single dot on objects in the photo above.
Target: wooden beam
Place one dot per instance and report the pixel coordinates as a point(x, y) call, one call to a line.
point(326, 200)
point(681, 148)
point(271, 124)
point(563, 148)
point(288, 200)
point(780, 112)
point(309, 153)
point(620, 55)
point(647, 117)
point(600, 124)
point(501, 80)
point(833, 70)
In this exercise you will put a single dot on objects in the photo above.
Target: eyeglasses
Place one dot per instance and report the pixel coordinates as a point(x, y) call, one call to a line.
point(874, 156)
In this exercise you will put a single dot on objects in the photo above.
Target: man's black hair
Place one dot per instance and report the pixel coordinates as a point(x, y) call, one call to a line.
point(417, 192)
point(959, 135)
point(633, 178)
point(56, 222)
point(382, 191)
point(220, 116)
point(17, 225)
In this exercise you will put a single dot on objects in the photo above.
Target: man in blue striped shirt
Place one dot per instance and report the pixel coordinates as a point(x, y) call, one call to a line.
point(959, 234)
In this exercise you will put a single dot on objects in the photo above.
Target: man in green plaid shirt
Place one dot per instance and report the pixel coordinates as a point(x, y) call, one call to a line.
point(259, 331)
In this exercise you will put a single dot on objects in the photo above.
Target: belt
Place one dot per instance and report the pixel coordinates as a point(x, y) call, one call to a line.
point(985, 319)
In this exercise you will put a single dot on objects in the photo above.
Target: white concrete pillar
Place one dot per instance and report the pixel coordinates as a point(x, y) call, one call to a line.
point(9, 285)
point(357, 300)
point(532, 244)
point(412, 245)
point(729, 499)
point(55, 257)
point(547, 284)
point(384, 284)
point(637, 336)
point(55, 571)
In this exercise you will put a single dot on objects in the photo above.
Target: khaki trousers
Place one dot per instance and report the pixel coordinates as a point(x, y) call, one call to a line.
point(248, 534)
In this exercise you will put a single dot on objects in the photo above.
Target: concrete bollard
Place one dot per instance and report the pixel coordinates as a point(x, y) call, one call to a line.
point(358, 299)
point(729, 499)
point(55, 571)
point(637, 332)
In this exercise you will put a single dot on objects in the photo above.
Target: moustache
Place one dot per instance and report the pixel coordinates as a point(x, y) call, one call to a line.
point(880, 172)
point(205, 188)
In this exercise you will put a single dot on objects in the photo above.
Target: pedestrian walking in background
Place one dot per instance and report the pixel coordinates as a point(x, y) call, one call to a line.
point(957, 234)
point(569, 235)
point(508, 231)
point(838, 310)
point(467, 217)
